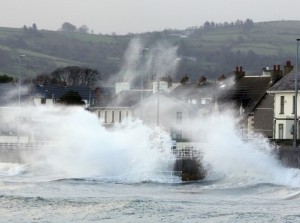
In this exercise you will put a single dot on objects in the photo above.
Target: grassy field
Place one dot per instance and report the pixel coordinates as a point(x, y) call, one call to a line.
point(48, 50)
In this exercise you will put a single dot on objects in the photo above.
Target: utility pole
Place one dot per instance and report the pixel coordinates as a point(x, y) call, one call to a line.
point(296, 99)
point(142, 80)
point(19, 100)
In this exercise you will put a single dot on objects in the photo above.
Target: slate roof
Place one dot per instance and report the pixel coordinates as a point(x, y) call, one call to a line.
point(248, 91)
point(56, 91)
point(125, 99)
point(287, 83)
point(193, 90)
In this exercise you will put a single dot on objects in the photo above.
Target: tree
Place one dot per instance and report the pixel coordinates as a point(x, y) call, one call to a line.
point(5, 79)
point(68, 27)
point(76, 76)
point(25, 28)
point(83, 29)
point(71, 98)
point(248, 24)
point(206, 26)
point(34, 27)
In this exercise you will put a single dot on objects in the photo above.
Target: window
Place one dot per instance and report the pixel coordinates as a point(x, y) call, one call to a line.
point(99, 114)
point(293, 111)
point(105, 117)
point(120, 116)
point(43, 100)
point(281, 104)
point(280, 131)
point(112, 116)
point(179, 117)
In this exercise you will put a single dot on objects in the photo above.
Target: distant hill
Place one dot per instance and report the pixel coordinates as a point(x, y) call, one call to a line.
point(210, 50)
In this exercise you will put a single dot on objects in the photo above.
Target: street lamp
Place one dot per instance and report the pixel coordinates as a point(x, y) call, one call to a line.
point(19, 89)
point(142, 79)
point(20, 65)
point(296, 96)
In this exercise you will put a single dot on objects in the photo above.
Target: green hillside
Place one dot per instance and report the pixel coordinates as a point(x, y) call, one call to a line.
point(209, 49)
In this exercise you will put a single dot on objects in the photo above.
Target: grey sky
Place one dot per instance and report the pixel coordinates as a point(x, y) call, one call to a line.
point(123, 16)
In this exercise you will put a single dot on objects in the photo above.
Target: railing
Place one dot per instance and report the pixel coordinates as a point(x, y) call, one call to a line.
point(25, 145)
point(187, 152)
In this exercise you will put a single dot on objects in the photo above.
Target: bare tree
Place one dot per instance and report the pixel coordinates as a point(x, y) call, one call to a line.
point(76, 76)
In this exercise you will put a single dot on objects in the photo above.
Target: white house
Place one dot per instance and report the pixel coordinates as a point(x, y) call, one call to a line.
point(49, 94)
point(167, 112)
point(153, 107)
point(284, 106)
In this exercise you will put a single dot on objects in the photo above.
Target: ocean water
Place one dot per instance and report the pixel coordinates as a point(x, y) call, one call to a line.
point(25, 197)
point(95, 175)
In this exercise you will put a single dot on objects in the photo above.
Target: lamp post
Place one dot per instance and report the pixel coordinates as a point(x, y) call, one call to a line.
point(158, 92)
point(20, 65)
point(19, 94)
point(296, 100)
point(142, 80)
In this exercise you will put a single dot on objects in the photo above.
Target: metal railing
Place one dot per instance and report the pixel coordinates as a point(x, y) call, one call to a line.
point(187, 152)
point(25, 145)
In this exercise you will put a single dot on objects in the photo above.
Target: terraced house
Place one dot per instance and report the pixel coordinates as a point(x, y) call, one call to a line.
point(284, 107)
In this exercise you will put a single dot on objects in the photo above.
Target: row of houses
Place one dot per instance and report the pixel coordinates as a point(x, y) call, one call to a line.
point(264, 102)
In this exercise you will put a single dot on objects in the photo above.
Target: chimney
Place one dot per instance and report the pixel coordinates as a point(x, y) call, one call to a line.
point(239, 73)
point(276, 74)
point(222, 78)
point(202, 80)
point(122, 86)
point(184, 80)
point(287, 68)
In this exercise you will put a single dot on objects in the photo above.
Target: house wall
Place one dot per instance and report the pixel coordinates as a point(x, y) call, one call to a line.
point(263, 117)
point(42, 101)
point(283, 121)
point(113, 115)
point(163, 85)
point(170, 111)
point(50, 102)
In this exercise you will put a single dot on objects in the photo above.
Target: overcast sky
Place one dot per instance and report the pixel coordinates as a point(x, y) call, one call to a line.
point(124, 16)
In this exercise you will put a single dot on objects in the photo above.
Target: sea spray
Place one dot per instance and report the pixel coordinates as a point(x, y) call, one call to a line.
point(157, 61)
point(80, 146)
point(238, 161)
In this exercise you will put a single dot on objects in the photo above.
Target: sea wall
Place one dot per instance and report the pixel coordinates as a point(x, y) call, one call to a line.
point(10, 155)
point(190, 169)
point(289, 156)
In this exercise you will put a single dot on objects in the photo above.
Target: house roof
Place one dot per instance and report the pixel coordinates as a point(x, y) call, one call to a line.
point(56, 91)
point(287, 83)
point(194, 90)
point(125, 99)
point(164, 94)
point(247, 91)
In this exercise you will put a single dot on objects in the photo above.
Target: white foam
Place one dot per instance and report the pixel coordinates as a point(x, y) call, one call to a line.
point(86, 149)
point(241, 162)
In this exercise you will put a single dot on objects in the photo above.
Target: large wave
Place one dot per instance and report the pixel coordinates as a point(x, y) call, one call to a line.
point(237, 161)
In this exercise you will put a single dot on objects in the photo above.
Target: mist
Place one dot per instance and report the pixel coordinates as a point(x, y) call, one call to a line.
point(159, 60)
